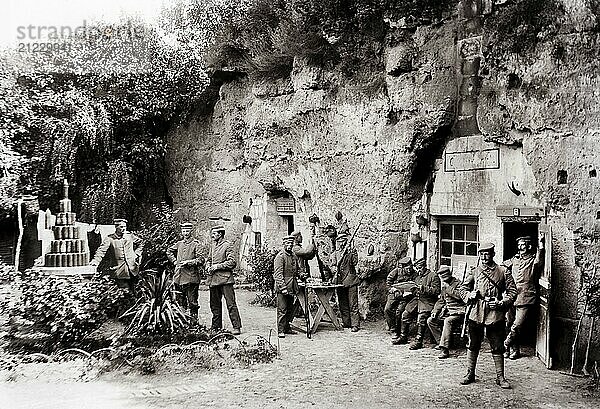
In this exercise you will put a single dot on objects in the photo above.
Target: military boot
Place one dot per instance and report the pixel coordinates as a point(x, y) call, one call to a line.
point(499, 364)
point(403, 337)
point(516, 352)
point(471, 364)
point(418, 342)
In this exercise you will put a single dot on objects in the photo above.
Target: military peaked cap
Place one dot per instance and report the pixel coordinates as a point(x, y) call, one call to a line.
point(405, 261)
point(525, 238)
point(116, 221)
point(288, 239)
point(419, 263)
point(445, 271)
point(218, 228)
point(186, 225)
point(486, 247)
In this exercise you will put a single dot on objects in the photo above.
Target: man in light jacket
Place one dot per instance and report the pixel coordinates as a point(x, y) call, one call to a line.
point(220, 265)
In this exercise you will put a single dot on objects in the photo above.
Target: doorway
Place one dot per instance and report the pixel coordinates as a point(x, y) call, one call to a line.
point(512, 231)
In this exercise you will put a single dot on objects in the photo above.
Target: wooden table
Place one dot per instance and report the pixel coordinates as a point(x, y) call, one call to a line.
point(325, 313)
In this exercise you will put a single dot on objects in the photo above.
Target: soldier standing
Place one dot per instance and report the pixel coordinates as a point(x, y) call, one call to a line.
point(398, 295)
point(221, 263)
point(185, 255)
point(343, 264)
point(488, 290)
point(525, 267)
point(124, 251)
point(286, 269)
point(447, 312)
point(427, 290)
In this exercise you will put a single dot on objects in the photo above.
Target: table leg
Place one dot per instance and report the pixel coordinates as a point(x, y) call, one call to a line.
point(324, 298)
point(301, 302)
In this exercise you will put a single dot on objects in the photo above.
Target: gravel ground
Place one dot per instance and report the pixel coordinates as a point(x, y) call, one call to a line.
point(334, 369)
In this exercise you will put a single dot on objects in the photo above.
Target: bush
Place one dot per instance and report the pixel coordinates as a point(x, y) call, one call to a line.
point(260, 261)
point(66, 308)
point(158, 237)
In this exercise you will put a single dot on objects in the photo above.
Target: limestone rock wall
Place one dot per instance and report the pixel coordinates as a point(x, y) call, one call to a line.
point(367, 147)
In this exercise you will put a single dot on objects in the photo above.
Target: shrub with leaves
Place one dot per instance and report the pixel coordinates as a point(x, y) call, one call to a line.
point(158, 236)
point(260, 262)
point(155, 311)
point(67, 308)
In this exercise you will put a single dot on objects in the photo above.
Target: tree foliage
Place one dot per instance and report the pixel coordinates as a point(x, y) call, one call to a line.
point(97, 111)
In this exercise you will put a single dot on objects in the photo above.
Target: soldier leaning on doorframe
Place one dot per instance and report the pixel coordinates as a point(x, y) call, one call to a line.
point(525, 267)
point(124, 250)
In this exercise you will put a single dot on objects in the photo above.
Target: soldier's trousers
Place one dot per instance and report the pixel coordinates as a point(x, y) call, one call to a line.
point(495, 334)
point(441, 329)
point(216, 306)
point(285, 311)
point(348, 303)
point(515, 318)
point(394, 307)
point(189, 297)
point(422, 316)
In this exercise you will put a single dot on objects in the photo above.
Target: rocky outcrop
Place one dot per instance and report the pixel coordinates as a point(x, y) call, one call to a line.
point(366, 145)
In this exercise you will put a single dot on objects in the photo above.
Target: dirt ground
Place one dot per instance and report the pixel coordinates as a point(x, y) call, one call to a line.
point(334, 369)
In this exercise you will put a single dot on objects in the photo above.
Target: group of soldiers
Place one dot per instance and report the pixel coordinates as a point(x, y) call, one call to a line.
point(123, 254)
point(336, 259)
point(491, 297)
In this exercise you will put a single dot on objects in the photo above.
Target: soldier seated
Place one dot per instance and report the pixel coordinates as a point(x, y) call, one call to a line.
point(448, 312)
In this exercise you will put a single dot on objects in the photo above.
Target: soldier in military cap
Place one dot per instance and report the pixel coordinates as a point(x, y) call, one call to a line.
point(398, 294)
point(525, 268)
point(286, 269)
point(343, 265)
point(187, 258)
point(447, 312)
point(220, 265)
point(124, 251)
point(488, 291)
point(426, 290)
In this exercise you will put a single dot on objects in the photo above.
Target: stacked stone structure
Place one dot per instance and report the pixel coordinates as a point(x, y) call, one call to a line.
point(67, 249)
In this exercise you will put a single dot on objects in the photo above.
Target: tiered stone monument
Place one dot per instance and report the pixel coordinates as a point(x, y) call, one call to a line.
point(68, 252)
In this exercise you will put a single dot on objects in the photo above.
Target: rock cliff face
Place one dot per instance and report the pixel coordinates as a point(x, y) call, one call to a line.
point(368, 147)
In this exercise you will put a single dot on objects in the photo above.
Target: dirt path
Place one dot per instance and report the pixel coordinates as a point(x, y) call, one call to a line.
point(331, 370)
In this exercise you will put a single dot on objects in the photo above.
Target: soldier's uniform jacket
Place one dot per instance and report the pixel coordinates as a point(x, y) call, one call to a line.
point(502, 288)
point(428, 284)
point(186, 250)
point(286, 268)
point(450, 302)
point(123, 259)
point(346, 267)
point(221, 256)
point(525, 271)
point(397, 276)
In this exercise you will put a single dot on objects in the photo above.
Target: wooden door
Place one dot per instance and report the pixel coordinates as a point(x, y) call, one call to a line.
point(542, 345)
